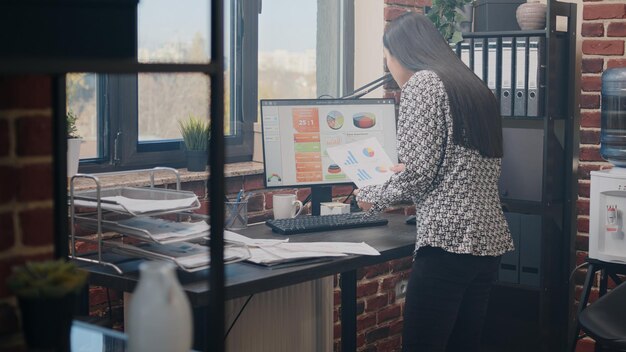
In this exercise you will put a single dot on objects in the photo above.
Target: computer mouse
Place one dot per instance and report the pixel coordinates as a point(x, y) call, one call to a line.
point(410, 220)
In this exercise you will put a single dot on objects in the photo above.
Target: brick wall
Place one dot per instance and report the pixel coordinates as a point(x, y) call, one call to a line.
point(26, 220)
point(603, 34)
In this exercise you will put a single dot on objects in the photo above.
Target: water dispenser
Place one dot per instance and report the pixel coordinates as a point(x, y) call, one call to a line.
point(608, 187)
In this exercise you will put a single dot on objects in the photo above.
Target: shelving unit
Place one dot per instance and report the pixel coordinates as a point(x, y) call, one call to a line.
point(529, 305)
point(141, 215)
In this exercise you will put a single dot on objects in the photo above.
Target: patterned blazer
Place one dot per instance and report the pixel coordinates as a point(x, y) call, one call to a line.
point(455, 189)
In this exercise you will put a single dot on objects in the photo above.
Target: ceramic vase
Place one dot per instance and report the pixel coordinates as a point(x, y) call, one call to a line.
point(159, 317)
point(197, 160)
point(73, 155)
point(531, 15)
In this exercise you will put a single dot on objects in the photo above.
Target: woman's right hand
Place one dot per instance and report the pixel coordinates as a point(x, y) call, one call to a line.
point(397, 168)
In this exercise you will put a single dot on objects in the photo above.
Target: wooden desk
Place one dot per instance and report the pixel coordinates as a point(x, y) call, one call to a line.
point(396, 240)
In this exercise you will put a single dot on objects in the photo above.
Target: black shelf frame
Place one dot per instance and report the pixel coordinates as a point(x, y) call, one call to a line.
point(57, 67)
point(551, 302)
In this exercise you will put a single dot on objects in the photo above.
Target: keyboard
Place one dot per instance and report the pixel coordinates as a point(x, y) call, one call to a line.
point(307, 223)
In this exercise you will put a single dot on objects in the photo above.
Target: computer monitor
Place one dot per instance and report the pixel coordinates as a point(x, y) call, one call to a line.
point(296, 133)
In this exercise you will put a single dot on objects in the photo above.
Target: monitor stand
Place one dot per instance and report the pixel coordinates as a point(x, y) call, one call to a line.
point(320, 194)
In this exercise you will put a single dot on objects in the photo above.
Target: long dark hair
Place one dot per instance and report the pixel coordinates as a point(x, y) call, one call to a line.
point(417, 45)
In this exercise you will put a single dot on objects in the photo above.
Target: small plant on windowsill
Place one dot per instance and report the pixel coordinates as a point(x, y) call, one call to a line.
point(196, 133)
point(47, 289)
point(73, 144)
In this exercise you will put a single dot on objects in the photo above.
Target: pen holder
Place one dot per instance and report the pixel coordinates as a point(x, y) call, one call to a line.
point(236, 215)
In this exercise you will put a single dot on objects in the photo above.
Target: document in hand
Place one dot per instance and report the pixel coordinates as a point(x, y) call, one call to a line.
point(364, 161)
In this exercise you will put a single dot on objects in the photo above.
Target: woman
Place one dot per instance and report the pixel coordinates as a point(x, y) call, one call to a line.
point(450, 147)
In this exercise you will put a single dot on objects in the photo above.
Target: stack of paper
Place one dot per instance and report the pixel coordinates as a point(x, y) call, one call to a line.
point(270, 252)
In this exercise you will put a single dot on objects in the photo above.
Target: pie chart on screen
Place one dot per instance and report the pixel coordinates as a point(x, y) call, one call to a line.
point(368, 152)
point(364, 120)
point(334, 119)
point(334, 169)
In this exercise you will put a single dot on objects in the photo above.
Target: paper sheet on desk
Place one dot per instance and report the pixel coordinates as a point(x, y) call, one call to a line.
point(233, 237)
point(332, 247)
point(275, 254)
point(139, 206)
point(364, 161)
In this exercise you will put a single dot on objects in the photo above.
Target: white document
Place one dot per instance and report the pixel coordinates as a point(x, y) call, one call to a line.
point(364, 161)
point(274, 255)
point(332, 247)
point(139, 206)
point(162, 229)
point(233, 237)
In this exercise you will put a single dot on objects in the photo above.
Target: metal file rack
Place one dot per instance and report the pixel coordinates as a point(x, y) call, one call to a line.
point(125, 209)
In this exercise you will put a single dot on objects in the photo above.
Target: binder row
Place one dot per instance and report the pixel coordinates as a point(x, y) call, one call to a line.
point(501, 61)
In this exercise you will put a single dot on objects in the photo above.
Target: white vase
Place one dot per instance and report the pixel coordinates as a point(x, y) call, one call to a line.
point(531, 15)
point(159, 315)
point(73, 155)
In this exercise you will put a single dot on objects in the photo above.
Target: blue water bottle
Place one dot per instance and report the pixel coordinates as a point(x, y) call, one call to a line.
point(613, 133)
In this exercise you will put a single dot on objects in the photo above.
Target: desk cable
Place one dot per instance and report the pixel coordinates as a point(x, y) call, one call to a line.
point(571, 275)
point(237, 317)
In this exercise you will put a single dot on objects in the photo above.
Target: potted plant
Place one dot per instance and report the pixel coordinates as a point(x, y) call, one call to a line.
point(47, 293)
point(73, 144)
point(447, 16)
point(196, 134)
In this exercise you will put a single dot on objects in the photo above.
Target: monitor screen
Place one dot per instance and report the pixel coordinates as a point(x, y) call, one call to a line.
point(296, 134)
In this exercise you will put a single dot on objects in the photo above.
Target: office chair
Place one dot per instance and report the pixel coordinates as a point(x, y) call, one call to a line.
point(605, 320)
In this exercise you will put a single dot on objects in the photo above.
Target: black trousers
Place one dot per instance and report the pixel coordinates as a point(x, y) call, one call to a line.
point(446, 301)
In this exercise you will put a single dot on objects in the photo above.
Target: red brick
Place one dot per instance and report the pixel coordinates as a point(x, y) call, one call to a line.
point(365, 321)
point(377, 302)
point(366, 289)
point(593, 295)
point(613, 63)
point(583, 190)
point(35, 182)
point(592, 30)
point(401, 264)
point(34, 135)
point(337, 297)
point(337, 330)
point(582, 207)
point(377, 334)
point(37, 227)
point(396, 327)
point(414, 3)
point(256, 203)
point(591, 83)
point(604, 11)
point(360, 341)
point(254, 182)
point(389, 345)
point(233, 185)
point(376, 270)
point(303, 194)
point(590, 154)
point(7, 233)
point(590, 101)
point(603, 47)
point(342, 190)
point(391, 13)
point(25, 92)
point(616, 29)
point(7, 264)
point(590, 119)
point(582, 225)
point(584, 170)
point(7, 183)
point(389, 282)
point(592, 65)
point(4, 138)
point(197, 187)
point(582, 242)
point(589, 137)
point(581, 257)
point(389, 313)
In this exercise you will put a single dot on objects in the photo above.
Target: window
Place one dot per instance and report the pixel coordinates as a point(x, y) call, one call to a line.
point(131, 121)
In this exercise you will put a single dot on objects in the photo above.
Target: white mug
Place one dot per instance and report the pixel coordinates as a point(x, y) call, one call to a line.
point(286, 206)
